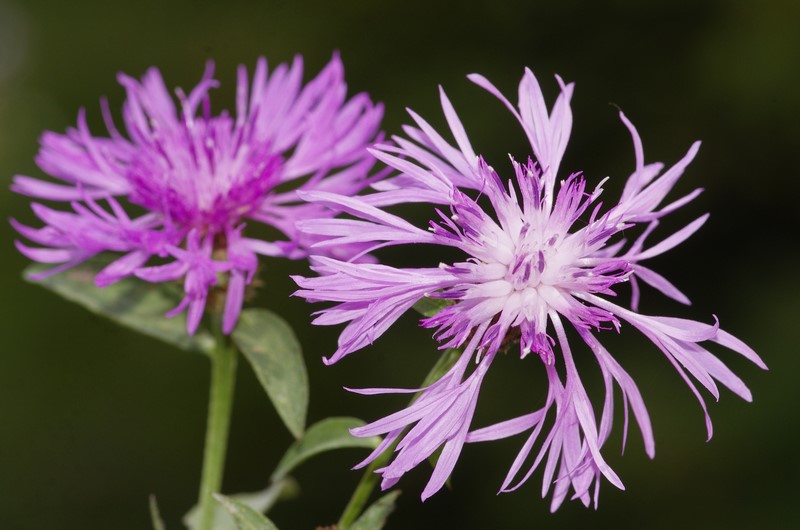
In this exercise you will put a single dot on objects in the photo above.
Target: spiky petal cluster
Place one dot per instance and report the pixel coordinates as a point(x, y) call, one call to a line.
point(198, 176)
point(543, 256)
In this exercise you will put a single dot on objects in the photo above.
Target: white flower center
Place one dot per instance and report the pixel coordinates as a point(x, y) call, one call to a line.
point(527, 269)
point(537, 260)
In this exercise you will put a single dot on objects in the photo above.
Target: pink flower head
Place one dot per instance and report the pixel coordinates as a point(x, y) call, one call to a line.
point(543, 254)
point(194, 177)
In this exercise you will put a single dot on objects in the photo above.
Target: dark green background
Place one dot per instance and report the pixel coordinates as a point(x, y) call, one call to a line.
point(93, 418)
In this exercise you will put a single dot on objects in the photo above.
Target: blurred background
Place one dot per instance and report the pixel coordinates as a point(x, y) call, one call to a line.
point(95, 418)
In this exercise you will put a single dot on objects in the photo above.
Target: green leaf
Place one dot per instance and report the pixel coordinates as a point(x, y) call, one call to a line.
point(272, 349)
point(325, 435)
point(245, 517)
point(375, 516)
point(445, 362)
point(155, 515)
point(259, 501)
point(131, 302)
point(428, 307)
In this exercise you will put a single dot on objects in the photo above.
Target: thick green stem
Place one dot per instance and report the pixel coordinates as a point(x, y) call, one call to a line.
point(220, 402)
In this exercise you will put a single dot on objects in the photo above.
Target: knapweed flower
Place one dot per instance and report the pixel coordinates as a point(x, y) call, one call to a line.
point(192, 178)
point(541, 254)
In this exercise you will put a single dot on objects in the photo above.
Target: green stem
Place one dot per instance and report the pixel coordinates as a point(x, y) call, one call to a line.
point(367, 483)
point(363, 490)
point(220, 402)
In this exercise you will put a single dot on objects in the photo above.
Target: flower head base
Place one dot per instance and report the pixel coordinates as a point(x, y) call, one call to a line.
point(199, 176)
point(546, 255)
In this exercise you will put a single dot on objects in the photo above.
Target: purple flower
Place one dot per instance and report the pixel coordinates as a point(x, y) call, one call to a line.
point(193, 178)
point(542, 254)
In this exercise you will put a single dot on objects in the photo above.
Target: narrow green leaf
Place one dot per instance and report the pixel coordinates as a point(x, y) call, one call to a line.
point(259, 501)
point(272, 349)
point(245, 517)
point(325, 435)
point(375, 516)
point(443, 364)
point(131, 302)
point(364, 489)
point(428, 307)
point(155, 515)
